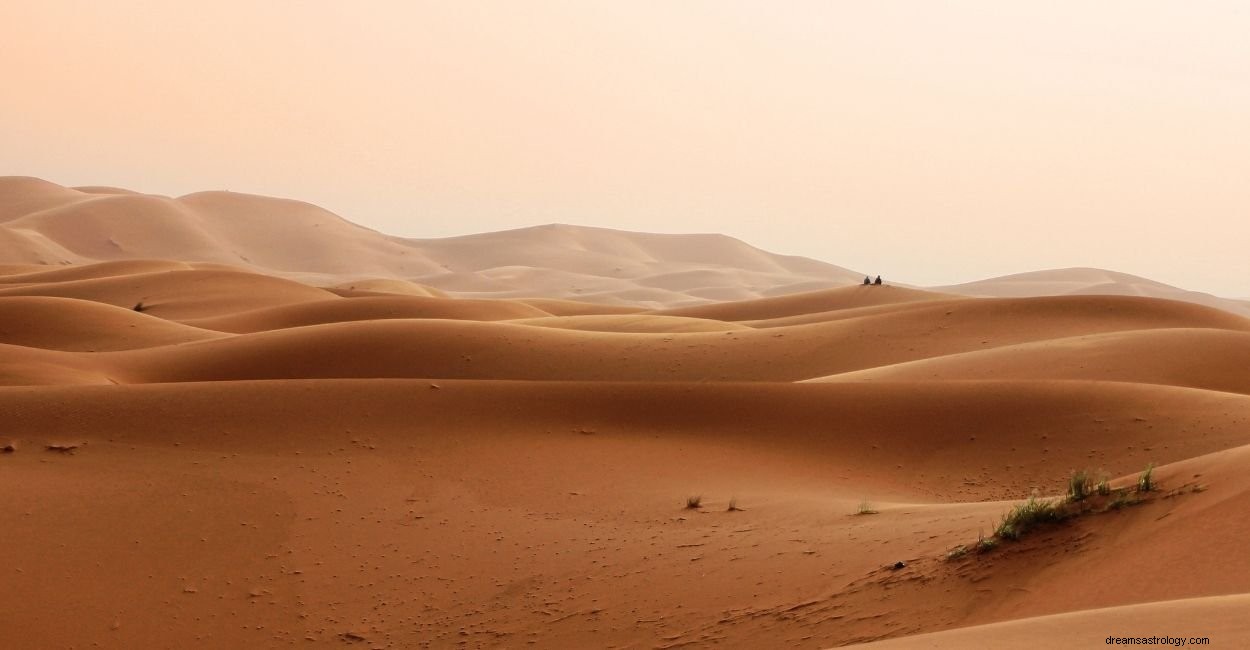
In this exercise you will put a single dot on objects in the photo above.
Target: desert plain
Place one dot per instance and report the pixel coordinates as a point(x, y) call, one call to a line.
point(232, 421)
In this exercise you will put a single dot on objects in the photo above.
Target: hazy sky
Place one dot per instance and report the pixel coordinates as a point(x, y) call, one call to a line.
point(929, 141)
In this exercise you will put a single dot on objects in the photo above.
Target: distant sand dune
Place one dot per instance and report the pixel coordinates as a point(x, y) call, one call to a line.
point(1086, 281)
point(1199, 358)
point(44, 223)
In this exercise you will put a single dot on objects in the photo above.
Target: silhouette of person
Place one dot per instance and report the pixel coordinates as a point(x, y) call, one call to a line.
point(867, 280)
point(877, 281)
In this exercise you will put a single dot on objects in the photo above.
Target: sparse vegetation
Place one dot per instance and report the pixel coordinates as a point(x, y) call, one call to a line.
point(1026, 516)
point(62, 448)
point(1079, 485)
point(1080, 499)
point(1104, 486)
point(733, 505)
point(140, 307)
point(693, 502)
point(1145, 482)
point(865, 508)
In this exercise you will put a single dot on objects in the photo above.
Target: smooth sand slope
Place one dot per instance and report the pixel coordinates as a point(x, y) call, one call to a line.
point(87, 326)
point(249, 514)
point(1173, 623)
point(1213, 359)
point(178, 294)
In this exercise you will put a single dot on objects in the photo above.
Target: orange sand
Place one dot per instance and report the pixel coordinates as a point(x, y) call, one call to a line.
point(290, 450)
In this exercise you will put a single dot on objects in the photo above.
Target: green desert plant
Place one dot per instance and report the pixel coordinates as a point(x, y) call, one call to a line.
point(1079, 485)
point(987, 544)
point(957, 552)
point(1025, 516)
point(1146, 482)
point(693, 502)
point(1104, 487)
point(865, 508)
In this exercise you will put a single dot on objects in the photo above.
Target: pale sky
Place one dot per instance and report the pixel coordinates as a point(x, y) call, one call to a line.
point(932, 142)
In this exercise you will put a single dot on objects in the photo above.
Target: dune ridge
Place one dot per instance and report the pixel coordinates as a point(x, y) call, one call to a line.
point(48, 225)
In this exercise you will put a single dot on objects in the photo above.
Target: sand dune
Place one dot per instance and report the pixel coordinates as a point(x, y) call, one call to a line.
point(806, 303)
point(178, 294)
point(24, 195)
point(1210, 359)
point(1213, 617)
point(44, 223)
point(576, 308)
point(473, 349)
point(1087, 281)
point(534, 536)
point(91, 271)
point(47, 224)
point(29, 366)
point(211, 441)
point(367, 309)
point(635, 323)
point(82, 325)
point(384, 286)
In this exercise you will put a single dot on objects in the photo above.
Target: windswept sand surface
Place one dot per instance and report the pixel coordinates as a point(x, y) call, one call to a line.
point(357, 440)
point(248, 461)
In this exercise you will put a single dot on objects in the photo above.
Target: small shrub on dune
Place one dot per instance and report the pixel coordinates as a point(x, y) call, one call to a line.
point(987, 544)
point(1026, 516)
point(865, 508)
point(1104, 487)
point(733, 505)
point(1146, 482)
point(957, 552)
point(693, 502)
point(1079, 485)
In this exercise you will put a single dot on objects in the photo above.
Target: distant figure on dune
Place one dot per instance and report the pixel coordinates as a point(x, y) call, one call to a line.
point(867, 280)
point(877, 281)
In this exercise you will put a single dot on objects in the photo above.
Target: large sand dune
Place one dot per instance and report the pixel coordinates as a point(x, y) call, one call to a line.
point(44, 224)
point(1086, 281)
point(329, 447)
